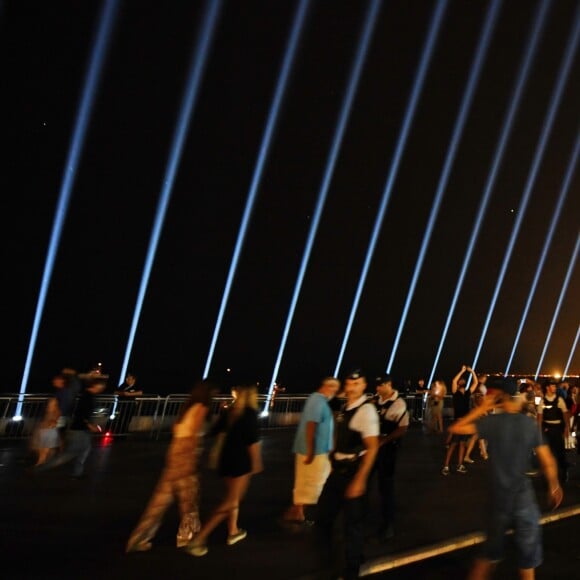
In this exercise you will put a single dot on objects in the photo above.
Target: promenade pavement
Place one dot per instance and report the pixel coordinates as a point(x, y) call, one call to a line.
point(52, 526)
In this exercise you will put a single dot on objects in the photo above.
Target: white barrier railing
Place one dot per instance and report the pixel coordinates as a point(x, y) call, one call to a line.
point(153, 414)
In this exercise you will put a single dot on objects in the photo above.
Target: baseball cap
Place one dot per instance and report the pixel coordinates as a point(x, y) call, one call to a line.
point(508, 385)
point(382, 380)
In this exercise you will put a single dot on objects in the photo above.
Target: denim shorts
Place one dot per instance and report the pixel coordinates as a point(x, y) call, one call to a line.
point(524, 518)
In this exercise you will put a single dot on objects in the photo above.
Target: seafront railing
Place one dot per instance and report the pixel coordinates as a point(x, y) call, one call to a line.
point(154, 415)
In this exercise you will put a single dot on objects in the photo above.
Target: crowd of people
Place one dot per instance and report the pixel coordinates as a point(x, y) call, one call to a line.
point(345, 439)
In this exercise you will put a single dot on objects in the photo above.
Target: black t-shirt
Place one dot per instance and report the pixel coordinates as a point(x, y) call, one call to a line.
point(83, 412)
point(461, 403)
point(244, 431)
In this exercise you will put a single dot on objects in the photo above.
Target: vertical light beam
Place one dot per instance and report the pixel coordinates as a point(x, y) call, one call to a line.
point(356, 70)
point(475, 71)
point(571, 355)
point(197, 66)
point(547, 243)
point(517, 93)
point(559, 304)
point(539, 153)
point(293, 41)
point(99, 50)
point(428, 48)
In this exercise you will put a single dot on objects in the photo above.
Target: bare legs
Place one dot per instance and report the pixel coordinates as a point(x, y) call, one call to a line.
point(236, 488)
point(482, 569)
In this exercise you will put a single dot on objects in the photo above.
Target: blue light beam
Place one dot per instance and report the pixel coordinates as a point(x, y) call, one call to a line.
point(539, 153)
point(571, 355)
point(287, 64)
point(357, 67)
point(475, 71)
point(428, 48)
point(559, 305)
point(100, 46)
point(547, 243)
point(197, 66)
point(517, 94)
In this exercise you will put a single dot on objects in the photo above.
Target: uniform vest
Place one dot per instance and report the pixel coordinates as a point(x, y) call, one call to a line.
point(348, 441)
point(551, 410)
point(387, 425)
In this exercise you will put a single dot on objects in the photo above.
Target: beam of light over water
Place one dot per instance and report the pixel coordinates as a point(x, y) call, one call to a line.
point(547, 243)
point(466, 102)
point(427, 53)
point(559, 305)
point(357, 67)
point(107, 20)
point(562, 78)
point(517, 94)
point(291, 49)
point(197, 67)
point(571, 355)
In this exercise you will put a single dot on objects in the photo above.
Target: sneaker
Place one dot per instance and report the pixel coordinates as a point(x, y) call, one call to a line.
point(461, 469)
point(468, 460)
point(197, 550)
point(445, 471)
point(235, 538)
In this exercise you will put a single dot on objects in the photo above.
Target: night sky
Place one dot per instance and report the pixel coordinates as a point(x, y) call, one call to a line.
point(44, 51)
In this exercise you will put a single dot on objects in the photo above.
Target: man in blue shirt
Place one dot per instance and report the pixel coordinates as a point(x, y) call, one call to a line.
point(511, 437)
point(312, 445)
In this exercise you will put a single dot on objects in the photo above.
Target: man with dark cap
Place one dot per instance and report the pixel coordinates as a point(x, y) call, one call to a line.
point(394, 421)
point(511, 437)
point(357, 441)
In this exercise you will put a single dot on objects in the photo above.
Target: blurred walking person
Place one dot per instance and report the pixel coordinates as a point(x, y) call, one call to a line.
point(240, 457)
point(78, 440)
point(511, 437)
point(179, 479)
point(46, 439)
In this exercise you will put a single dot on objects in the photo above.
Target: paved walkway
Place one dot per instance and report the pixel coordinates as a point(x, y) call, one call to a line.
point(55, 527)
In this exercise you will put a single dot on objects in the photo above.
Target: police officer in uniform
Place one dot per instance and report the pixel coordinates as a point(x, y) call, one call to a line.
point(554, 421)
point(394, 421)
point(357, 440)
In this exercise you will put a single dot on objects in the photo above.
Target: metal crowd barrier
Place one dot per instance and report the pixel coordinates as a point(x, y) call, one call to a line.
point(153, 415)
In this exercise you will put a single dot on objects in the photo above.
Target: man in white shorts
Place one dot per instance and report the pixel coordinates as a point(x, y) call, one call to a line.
point(312, 445)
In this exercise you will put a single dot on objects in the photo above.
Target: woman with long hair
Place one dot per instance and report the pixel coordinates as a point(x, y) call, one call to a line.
point(240, 458)
point(179, 479)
